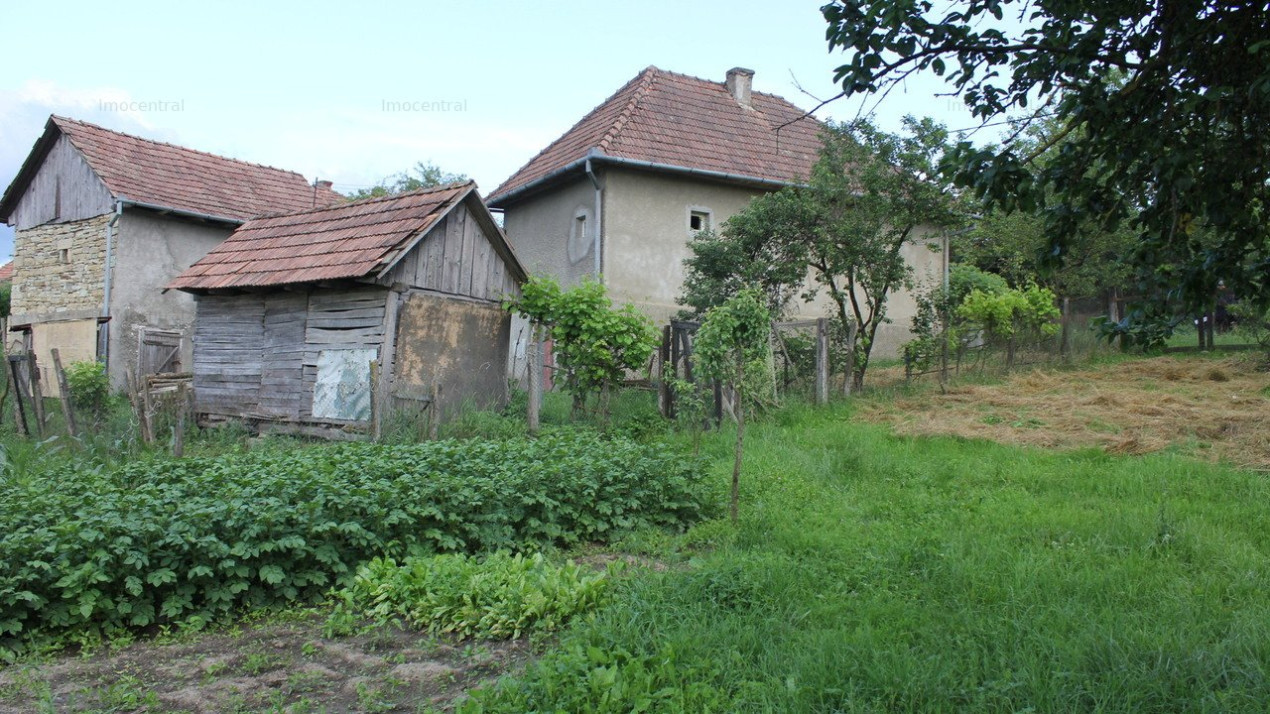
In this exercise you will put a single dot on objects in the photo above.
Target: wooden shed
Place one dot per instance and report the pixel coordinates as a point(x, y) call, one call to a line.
point(293, 309)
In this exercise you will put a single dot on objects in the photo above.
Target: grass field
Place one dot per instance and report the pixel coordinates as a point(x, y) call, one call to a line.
point(881, 571)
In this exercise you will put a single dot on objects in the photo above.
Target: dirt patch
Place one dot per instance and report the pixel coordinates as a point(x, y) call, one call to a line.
point(287, 667)
point(1212, 409)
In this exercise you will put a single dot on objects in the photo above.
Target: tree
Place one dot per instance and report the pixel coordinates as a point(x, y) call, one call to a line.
point(595, 344)
point(869, 195)
point(1162, 107)
point(731, 335)
point(423, 175)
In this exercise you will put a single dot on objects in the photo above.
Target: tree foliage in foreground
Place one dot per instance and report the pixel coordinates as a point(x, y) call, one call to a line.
point(1163, 106)
point(870, 194)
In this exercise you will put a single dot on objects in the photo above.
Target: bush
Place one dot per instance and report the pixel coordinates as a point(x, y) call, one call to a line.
point(191, 540)
point(90, 388)
point(503, 596)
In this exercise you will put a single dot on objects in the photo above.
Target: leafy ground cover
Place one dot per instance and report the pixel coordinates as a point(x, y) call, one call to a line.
point(88, 551)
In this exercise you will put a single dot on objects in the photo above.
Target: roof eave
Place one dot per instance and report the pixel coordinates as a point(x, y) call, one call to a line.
point(502, 201)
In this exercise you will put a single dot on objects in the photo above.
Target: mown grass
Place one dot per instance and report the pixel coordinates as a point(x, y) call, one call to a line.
point(873, 572)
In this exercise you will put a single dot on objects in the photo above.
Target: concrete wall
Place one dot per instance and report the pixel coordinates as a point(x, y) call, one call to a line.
point(150, 250)
point(542, 230)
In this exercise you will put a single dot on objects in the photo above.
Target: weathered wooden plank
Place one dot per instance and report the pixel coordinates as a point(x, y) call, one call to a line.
point(471, 234)
point(64, 188)
point(480, 265)
point(453, 253)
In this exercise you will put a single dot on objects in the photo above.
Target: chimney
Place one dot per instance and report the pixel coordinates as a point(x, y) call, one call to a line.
point(325, 184)
point(739, 81)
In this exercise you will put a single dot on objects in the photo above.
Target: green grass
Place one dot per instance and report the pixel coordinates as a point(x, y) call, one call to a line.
point(876, 573)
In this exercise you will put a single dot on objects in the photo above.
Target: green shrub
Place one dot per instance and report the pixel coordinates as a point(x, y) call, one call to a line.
point(167, 540)
point(502, 596)
point(90, 388)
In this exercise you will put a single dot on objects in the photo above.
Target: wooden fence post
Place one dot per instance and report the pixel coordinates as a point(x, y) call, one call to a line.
point(535, 380)
point(64, 390)
point(36, 393)
point(434, 425)
point(15, 384)
point(376, 418)
point(822, 361)
point(664, 392)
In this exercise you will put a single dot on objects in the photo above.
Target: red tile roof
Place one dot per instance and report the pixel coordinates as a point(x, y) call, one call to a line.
point(347, 241)
point(174, 177)
point(6, 272)
point(687, 122)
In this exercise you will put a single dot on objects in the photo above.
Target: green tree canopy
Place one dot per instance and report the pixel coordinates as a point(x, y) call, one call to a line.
point(1163, 107)
point(422, 175)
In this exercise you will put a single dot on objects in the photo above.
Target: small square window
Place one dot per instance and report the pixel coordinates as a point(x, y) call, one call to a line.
point(64, 256)
point(698, 221)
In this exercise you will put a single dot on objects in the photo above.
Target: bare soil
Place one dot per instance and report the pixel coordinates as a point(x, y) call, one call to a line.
point(1214, 409)
point(275, 667)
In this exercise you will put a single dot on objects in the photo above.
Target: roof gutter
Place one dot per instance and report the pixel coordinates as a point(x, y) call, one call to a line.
point(181, 212)
point(595, 157)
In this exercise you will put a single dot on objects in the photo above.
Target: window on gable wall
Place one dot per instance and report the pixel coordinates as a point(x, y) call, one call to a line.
point(698, 221)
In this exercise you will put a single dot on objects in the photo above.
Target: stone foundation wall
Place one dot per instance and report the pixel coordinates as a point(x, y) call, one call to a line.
point(59, 270)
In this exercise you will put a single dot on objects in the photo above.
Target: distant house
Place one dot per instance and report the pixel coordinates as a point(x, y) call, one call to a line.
point(104, 220)
point(292, 309)
point(6, 273)
point(622, 192)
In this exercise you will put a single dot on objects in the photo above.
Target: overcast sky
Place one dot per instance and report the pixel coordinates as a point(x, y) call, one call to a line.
point(303, 86)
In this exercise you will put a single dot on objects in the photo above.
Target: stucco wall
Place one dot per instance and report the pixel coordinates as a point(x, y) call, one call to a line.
point(542, 231)
point(150, 250)
point(48, 286)
point(461, 344)
point(646, 234)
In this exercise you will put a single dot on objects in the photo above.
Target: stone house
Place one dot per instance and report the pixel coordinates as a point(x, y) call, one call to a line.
point(104, 220)
point(621, 193)
point(293, 308)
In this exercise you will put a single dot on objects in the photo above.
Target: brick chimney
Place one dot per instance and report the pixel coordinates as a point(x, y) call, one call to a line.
point(739, 81)
point(325, 184)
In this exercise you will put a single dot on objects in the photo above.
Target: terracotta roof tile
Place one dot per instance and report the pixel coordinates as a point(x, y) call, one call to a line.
point(668, 118)
point(184, 179)
point(6, 272)
point(345, 241)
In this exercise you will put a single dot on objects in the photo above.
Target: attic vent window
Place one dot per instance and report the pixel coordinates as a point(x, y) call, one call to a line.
point(699, 221)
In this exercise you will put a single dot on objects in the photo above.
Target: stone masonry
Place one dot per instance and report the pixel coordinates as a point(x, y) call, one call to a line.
point(59, 269)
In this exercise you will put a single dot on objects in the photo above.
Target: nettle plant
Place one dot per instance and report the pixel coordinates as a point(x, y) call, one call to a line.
point(594, 344)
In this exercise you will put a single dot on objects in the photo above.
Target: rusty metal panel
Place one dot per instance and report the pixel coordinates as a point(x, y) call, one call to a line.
point(342, 390)
point(457, 343)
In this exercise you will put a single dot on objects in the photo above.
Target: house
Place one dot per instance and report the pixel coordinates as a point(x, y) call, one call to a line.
point(104, 220)
point(622, 192)
point(292, 309)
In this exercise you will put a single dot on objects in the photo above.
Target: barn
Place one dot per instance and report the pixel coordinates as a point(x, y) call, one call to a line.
point(293, 309)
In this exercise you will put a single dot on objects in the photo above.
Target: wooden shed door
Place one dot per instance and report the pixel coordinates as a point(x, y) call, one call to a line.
point(159, 353)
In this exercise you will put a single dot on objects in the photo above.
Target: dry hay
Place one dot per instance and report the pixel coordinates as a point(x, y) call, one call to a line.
point(1212, 409)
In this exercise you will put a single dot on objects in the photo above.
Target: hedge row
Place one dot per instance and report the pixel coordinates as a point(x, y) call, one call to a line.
point(193, 539)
